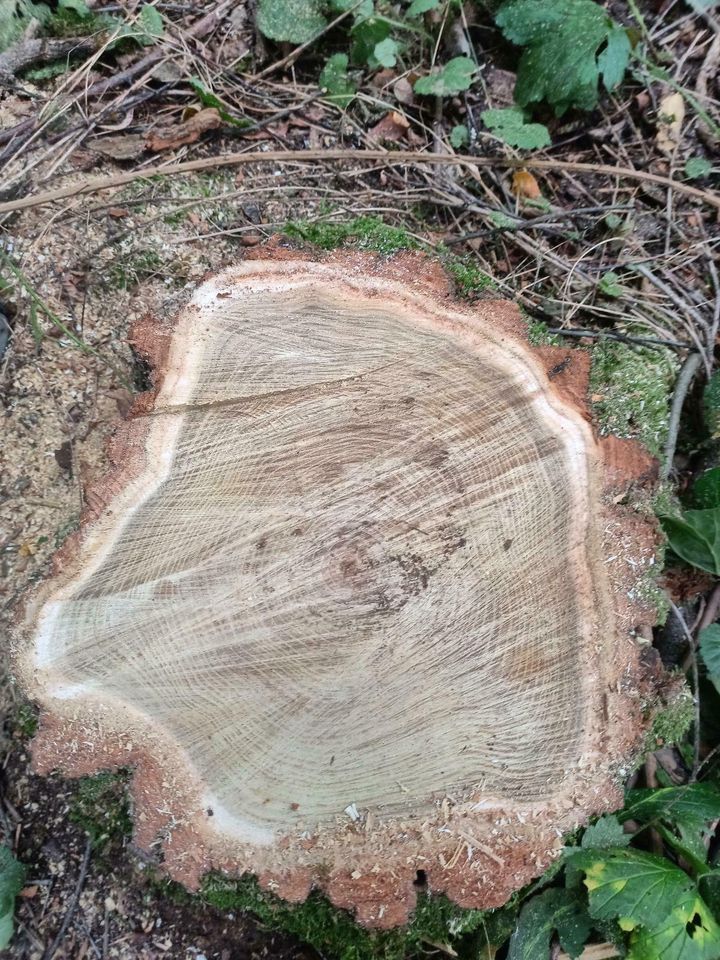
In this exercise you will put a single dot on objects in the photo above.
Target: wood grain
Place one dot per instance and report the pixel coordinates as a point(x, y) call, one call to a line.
point(353, 579)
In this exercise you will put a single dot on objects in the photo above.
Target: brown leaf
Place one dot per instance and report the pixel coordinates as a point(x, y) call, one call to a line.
point(524, 184)
point(169, 138)
point(393, 127)
point(126, 146)
point(403, 91)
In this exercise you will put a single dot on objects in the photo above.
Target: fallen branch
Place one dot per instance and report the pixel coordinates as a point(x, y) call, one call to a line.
point(44, 50)
point(364, 156)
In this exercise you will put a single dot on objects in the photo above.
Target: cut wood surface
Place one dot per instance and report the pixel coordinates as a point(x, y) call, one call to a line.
point(355, 600)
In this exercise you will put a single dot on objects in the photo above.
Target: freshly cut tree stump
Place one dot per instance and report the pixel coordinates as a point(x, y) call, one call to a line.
point(356, 598)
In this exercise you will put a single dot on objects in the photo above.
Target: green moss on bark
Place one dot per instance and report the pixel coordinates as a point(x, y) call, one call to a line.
point(335, 934)
point(630, 390)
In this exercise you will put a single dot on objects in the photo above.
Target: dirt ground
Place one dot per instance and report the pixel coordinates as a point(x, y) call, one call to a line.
point(84, 268)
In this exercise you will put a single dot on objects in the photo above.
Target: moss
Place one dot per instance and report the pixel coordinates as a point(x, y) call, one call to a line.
point(368, 233)
point(100, 806)
point(630, 392)
point(469, 278)
point(63, 532)
point(671, 723)
point(539, 334)
point(129, 269)
point(335, 934)
point(26, 721)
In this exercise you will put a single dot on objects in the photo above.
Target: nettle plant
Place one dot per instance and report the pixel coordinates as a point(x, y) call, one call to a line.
point(570, 49)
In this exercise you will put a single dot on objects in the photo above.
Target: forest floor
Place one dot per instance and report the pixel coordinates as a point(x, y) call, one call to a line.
point(606, 236)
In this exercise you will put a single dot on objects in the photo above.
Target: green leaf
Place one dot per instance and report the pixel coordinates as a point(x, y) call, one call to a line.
point(367, 34)
point(613, 60)
point(553, 909)
point(606, 833)
point(454, 77)
point(386, 52)
point(569, 44)
point(686, 812)
point(151, 24)
point(697, 167)
point(709, 639)
point(334, 78)
point(706, 490)
point(79, 6)
point(291, 21)
point(711, 404)
point(459, 136)
point(608, 284)
point(695, 538)
point(509, 124)
point(12, 876)
point(418, 7)
point(653, 899)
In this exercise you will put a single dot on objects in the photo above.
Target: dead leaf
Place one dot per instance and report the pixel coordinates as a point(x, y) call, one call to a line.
point(29, 892)
point(118, 212)
point(189, 131)
point(403, 91)
point(393, 127)
point(524, 184)
point(671, 114)
point(126, 146)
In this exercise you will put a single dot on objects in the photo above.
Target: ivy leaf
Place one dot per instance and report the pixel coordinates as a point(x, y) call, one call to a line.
point(654, 900)
point(151, 24)
point(510, 125)
point(553, 909)
point(605, 833)
point(334, 78)
point(686, 811)
point(613, 60)
point(292, 21)
point(454, 77)
point(459, 136)
point(697, 167)
point(608, 284)
point(12, 875)
point(367, 34)
point(695, 538)
point(569, 44)
point(418, 7)
point(710, 651)
point(386, 52)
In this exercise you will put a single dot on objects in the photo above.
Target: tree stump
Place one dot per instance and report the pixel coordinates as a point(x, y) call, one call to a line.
point(355, 600)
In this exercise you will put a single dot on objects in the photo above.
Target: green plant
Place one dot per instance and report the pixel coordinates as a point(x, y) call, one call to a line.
point(511, 126)
point(12, 877)
point(694, 534)
point(335, 81)
point(100, 806)
point(294, 21)
point(569, 45)
point(453, 78)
